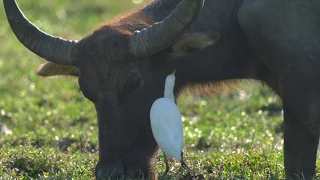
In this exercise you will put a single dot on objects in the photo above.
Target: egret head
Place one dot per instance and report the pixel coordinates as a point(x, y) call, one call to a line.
point(169, 85)
point(171, 78)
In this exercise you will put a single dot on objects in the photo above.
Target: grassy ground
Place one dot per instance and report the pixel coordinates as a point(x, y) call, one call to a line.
point(54, 129)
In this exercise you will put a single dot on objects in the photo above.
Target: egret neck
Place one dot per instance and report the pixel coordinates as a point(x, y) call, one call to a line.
point(169, 85)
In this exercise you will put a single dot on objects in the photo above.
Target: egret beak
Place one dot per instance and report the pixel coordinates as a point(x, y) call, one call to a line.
point(174, 71)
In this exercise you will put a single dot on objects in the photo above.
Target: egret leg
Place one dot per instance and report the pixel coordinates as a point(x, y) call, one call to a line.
point(166, 162)
point(183, 164)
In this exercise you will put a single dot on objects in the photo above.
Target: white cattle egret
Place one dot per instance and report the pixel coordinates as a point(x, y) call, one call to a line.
point(166, 124)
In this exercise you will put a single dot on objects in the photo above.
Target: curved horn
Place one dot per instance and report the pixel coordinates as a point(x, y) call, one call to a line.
point(161, 35)
point(54, 49)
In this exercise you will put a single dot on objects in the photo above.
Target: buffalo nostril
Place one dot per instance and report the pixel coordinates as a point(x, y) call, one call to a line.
point(109, 170)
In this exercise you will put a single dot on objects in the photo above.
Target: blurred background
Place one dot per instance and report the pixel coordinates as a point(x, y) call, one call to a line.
point(49, 130)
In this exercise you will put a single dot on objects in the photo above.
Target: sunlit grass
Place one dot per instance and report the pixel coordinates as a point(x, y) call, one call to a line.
point(54, 129)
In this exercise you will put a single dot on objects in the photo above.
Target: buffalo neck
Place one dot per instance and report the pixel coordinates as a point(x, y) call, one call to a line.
point(230, 58)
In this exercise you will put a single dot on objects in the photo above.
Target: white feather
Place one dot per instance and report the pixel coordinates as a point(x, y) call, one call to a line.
point(166, 122)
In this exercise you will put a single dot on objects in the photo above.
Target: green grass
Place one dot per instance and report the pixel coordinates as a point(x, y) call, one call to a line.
point(54, 128)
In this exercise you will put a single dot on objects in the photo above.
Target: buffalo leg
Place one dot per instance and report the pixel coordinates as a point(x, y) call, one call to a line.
point(301, 130)
point(288, 46)
point(300, 148)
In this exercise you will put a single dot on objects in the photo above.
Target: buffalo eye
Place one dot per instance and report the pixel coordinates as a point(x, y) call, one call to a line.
point(135, 82)
point(131, 86)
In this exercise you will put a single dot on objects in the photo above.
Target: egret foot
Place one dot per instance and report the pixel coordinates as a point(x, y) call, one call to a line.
point(183, 164)
point(166, 162)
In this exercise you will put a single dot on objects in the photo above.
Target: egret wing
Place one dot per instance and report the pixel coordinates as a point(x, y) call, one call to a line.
point(166, 126)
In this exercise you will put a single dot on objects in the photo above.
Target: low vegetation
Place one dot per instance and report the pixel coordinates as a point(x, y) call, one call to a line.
point(49, 130)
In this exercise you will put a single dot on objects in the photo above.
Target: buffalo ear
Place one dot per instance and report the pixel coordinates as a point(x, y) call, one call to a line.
point(49, 69)
point(193, 42)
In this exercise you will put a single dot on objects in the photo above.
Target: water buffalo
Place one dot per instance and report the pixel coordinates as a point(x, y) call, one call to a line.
point(121, 67)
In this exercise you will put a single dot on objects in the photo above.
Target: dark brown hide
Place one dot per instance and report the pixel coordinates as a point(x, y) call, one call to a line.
point(123, 63)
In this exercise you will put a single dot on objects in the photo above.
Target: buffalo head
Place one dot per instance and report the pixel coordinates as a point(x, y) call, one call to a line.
point(121, 68)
